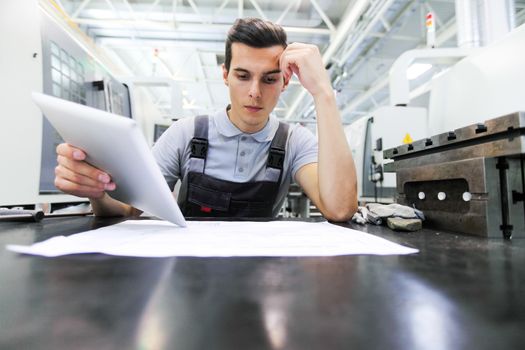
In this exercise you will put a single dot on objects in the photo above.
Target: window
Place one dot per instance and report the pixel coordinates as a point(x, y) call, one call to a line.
point(67, 75)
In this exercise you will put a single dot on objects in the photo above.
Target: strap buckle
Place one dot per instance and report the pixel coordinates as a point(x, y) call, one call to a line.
point(199, 148)
point(275, 158)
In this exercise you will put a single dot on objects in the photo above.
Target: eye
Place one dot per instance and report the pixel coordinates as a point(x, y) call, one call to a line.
point(242, 76)
point(269, 80)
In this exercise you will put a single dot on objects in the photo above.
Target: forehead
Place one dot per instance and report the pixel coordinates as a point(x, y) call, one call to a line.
point(255, 59)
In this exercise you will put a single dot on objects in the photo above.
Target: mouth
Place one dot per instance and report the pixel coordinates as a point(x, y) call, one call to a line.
point(253, 109)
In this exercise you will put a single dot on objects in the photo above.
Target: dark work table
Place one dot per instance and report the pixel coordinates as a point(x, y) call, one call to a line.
point(458, 292)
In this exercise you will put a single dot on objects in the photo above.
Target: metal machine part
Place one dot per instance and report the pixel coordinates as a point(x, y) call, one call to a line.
point(470, 180)
point(297, 204)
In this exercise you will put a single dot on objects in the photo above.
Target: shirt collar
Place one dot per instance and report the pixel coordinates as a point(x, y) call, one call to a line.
point(226, 128)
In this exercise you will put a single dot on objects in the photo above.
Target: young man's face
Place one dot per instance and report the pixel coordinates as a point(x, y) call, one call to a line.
point(255, 83)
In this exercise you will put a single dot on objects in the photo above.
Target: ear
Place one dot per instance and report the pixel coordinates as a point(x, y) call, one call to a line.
point(224, 74)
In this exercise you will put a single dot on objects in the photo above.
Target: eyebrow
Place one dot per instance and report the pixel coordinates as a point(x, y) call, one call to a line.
point(265, 73)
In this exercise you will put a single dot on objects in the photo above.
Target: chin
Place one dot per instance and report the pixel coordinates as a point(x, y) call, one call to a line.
point(254, 120)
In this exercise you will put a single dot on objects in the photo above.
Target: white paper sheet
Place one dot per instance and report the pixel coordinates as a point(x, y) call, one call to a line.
point(153, 238)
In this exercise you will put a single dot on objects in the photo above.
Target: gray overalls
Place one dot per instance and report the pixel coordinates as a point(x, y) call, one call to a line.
point(211, 197)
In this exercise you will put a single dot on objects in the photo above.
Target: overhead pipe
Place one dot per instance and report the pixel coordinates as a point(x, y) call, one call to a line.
point(376, 10)
point(481, 22)
point(469, 22)
point(167, 26)
point(405, 12)
point(367, 30)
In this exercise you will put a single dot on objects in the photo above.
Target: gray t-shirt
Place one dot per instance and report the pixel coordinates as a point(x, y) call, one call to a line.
point(233, 155)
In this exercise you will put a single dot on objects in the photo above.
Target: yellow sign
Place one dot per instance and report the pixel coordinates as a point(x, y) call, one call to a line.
point(407, 139)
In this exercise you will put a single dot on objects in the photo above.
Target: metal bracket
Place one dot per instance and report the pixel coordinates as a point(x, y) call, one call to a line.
point(275, 158)
point(502, 165)
point(199, 148)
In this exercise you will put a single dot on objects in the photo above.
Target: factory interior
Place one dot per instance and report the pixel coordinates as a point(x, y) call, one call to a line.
point(431, 104)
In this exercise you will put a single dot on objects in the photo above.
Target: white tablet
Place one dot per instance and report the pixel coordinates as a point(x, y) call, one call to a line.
point(116, 145)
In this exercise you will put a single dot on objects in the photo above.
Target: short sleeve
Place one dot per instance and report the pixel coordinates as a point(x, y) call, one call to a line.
point(169, 149)
point(303, 148)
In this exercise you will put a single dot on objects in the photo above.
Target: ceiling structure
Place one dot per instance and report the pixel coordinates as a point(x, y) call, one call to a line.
point(183, 41)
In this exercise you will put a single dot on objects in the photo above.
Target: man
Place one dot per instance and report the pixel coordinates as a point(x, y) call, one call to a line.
point(240, 161)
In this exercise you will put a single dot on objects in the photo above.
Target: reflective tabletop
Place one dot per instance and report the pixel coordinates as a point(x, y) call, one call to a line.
point(458, 292)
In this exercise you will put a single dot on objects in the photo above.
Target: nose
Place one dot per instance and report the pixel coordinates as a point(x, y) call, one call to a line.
point(255, 90)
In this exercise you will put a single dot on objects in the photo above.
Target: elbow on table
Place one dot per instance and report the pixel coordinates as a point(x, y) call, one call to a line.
point(340, 213)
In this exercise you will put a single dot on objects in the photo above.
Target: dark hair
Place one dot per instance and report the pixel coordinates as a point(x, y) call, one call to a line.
point(253, 32)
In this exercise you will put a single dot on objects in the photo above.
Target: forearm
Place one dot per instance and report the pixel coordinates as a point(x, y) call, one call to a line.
point(331, 183)
point(107, 206)
point(337, 175)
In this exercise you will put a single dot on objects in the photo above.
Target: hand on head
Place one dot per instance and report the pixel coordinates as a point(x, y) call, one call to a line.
point(73, 175)
point(305, 61)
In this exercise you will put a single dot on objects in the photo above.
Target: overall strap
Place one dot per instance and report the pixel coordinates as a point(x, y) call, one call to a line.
point(199, 145)
point(275, 163)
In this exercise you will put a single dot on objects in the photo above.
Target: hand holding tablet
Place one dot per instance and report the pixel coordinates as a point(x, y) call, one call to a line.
point(115, 146)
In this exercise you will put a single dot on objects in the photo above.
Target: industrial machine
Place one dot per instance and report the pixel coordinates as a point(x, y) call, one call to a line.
point(387, 127)
point(469, 180)
point(466, 169)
